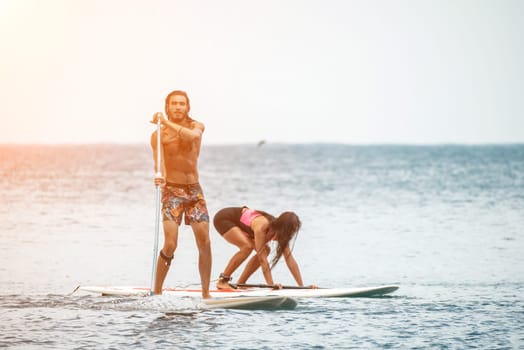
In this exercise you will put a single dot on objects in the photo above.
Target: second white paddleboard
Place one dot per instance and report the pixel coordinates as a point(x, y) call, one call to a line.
point(251, 303)
point(290, 293)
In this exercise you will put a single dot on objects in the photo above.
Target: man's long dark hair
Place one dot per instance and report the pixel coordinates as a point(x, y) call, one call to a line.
point(188, 120)
point(285, 227)
point(181, 93)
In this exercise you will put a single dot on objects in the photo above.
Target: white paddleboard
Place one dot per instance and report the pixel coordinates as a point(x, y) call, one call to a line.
point(219, 300)
point(251, 303)
point(361, 292)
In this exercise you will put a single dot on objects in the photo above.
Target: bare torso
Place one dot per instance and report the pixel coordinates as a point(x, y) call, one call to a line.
point(179, 156)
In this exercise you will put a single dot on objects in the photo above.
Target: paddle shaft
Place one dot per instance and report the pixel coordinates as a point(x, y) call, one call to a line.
point(267, 286)
point(157, 210)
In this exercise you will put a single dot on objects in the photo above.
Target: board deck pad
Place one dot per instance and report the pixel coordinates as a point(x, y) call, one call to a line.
point(361, 292)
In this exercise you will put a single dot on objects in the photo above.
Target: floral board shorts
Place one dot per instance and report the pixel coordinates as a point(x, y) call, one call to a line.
point(187, 200)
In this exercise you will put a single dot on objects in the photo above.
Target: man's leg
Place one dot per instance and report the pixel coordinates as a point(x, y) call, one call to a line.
point(166, 254)
point(201, 231)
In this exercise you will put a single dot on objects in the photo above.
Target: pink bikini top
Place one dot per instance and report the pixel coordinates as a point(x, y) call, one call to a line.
point(248, 216)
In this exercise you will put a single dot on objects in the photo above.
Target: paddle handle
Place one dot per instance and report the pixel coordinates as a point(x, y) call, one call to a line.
point(157, 209)
point(158, 145)
point(272, 286)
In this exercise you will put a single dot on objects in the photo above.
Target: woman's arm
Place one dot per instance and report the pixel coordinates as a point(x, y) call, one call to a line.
point(292, 265)
point(261, 251)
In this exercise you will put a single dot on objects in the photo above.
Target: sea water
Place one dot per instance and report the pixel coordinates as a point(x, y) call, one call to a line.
point(444, 222)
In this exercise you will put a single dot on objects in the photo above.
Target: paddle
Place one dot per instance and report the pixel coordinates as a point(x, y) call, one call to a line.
point(157, 201)
point(236, 285)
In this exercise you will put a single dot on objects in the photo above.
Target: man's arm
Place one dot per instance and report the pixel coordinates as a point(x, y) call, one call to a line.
point(160, 169)
point(189, 133)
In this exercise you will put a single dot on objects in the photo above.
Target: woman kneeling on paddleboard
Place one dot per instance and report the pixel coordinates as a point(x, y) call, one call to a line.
point(249, 230)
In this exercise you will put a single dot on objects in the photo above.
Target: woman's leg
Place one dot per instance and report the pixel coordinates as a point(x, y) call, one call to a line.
point(245, 245)
point(252, 265)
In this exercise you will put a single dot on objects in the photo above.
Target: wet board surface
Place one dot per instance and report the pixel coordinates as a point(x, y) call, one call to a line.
point(360, 292)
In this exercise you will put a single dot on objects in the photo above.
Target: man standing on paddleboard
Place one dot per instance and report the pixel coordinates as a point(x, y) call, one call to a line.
point(182, 196)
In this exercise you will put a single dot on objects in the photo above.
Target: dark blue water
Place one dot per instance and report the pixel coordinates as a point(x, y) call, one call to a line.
point(443, 222)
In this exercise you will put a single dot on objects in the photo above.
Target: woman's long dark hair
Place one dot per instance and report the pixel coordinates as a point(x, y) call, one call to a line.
point(285, 228)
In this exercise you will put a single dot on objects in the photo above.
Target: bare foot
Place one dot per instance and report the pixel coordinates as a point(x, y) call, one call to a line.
point(206, 295)
point(223, 285)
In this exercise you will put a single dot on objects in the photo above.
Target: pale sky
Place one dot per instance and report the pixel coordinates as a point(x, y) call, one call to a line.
point(382, 71)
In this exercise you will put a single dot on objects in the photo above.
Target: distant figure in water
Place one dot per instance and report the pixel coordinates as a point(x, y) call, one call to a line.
point(261, 143)
point(249, 230)
point(181, 137)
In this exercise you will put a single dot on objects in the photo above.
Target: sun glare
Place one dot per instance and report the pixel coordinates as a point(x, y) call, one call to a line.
point(6, 6)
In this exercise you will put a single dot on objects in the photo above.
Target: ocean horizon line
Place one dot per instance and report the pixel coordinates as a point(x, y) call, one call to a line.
point(276, 143)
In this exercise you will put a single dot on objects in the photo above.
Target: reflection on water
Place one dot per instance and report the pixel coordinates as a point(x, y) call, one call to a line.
point(444, 222)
